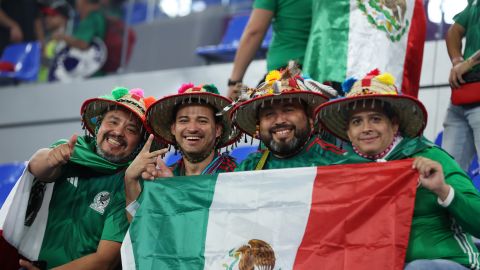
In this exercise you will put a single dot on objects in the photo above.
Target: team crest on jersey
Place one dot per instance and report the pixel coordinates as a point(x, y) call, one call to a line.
point(100, 202)
point(257, 254)
point(387, 16)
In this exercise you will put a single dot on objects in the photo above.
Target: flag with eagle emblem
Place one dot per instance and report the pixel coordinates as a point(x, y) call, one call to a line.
point(352, 37)
point(337, 217)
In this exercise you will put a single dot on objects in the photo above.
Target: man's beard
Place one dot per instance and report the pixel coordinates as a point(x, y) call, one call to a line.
point(197, 157)
point(290, 148)
point(111, 158)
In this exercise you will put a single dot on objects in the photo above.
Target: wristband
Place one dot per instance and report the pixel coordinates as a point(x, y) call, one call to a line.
point(457, 59)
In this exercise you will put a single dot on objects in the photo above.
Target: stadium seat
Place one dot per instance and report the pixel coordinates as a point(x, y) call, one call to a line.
point(225, 51)
point(26, 59)
point(9, 174)
point(473, 170)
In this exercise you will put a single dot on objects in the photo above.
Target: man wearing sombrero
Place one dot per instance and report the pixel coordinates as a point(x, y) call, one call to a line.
point(382, 124)
point(192, 122)
point(86, 216)
point(279, 113)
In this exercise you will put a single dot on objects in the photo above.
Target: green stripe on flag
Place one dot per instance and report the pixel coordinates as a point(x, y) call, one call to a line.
point(327, 50)
point(183, 213)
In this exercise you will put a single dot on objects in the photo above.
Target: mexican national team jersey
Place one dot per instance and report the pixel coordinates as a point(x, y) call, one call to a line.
point(316, 152)
point(85, 207)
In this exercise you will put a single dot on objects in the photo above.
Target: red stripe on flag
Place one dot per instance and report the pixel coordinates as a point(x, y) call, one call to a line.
point(360, 217)
point(412, 66)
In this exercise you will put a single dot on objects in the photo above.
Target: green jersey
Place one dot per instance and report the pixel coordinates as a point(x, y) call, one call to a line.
point(87, 205)
point(291, 28)
point(94, 25)
point(469, 19)
point(316, 152)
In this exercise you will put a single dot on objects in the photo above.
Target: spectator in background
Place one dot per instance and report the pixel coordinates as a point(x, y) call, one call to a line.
point(461, 137)
point(19, 22)
point(291, 20)
point(55, 20)
point(92, 24)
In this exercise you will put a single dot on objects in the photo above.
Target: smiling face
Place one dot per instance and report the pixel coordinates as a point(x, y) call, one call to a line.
point(371, 131)
point(284, 127)
point(119, 134)
point(196, 131)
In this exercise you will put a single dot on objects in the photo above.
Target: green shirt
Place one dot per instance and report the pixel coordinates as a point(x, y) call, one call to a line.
point(291, 28)
point(87, 205)
point(94, 25)
point(316, 152)
point(469, 19)
point(439, 232)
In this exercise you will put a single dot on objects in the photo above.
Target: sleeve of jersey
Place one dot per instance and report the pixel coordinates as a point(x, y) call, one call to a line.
point(465, 207)
point(265, 4)
point(116, 223)
point(462, 17)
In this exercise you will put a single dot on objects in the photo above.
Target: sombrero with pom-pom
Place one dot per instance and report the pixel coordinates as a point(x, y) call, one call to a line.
point(131, 100)
point(285, 85)
point(160, 115)
point(378, 87)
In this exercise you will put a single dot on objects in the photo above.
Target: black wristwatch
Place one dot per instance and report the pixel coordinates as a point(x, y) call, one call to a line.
point(232, 83)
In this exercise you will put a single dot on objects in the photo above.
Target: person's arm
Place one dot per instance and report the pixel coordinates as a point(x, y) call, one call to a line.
point(71, 41)
point(454, 47)
point(146, 165)
point(106, 257)
point(39, 33)
point(16, 34)
point(250, 42)
point(46, 164)
point(461, 199)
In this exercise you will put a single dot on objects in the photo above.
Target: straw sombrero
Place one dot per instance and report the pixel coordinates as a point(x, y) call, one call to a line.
point(160, 115)
point(411, 113)
point(285, 85)
point(131, 100)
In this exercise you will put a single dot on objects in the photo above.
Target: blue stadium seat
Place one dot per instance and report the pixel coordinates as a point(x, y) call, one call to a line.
point(473, 171)
point(241, 152)
point(25, 57)
point(225, 51)
point(9, 173)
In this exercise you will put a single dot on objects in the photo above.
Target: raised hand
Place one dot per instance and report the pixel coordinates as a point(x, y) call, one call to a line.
point(431, 176)
point(61, 153)
point(147, 165)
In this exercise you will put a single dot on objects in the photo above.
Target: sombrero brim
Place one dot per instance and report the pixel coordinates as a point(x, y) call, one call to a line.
point(159, 116)
point(94, 107)
point(245, 113)
point(411, 113)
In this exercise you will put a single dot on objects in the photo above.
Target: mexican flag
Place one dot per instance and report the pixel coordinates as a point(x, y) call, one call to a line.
point(334, 217)
point(352, 37)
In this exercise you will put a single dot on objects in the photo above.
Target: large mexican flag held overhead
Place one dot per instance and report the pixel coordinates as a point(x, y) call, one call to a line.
point(352, 37)
point(334, 217)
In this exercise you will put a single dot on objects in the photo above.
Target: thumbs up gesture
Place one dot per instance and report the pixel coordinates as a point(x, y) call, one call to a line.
point(61, 154)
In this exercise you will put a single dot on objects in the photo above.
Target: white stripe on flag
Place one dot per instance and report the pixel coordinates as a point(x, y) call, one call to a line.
point(28, 240)
point(381, 52)
point(270, 205)
point(128, 260)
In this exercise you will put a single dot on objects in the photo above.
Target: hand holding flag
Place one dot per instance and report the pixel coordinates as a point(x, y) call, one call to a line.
point(431, 176)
